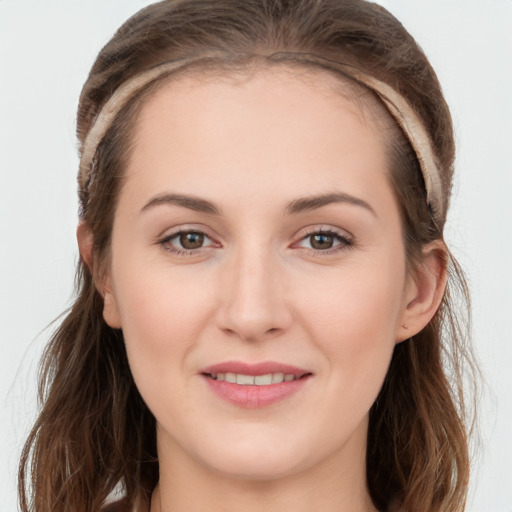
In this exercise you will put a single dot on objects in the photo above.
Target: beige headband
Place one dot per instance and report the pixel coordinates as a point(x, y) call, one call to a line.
point(401, 111)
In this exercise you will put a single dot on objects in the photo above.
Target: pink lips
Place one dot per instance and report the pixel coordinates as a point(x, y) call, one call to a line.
point(254, 396)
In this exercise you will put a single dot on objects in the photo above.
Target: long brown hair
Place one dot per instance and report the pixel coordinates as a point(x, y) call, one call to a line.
point(94, 430)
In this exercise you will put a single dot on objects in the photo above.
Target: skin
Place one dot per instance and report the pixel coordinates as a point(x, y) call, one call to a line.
point(258, 290)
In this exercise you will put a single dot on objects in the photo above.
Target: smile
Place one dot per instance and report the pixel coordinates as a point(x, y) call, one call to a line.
point(254, 386)
point(254, 380)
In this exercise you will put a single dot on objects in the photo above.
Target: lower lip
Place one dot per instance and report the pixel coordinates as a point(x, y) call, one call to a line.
point(255, 397)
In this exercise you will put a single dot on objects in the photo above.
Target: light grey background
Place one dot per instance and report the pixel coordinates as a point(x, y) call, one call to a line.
point(46, 49)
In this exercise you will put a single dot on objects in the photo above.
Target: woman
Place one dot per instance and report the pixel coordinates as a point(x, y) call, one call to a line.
point(263, 317)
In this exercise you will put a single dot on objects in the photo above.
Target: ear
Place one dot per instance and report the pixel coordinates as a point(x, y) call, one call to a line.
point(85, 244)
point(424, 291)
point(102, 280)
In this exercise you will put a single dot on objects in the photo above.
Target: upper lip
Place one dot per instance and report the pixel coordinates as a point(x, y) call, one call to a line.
point(255, 369)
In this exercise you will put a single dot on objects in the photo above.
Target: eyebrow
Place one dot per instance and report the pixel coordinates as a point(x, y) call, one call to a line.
point(314, 202)
point(191, 202)
point(296, 206)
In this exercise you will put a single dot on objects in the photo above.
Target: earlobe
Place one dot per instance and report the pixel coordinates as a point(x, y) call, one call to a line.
point(424, 291)
point(85, 245)
point(110, 310)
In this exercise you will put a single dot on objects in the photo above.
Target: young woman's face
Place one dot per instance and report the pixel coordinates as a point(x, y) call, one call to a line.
point(258, 273)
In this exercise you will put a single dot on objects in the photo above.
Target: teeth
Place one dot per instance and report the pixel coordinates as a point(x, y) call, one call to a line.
point(230, 377)
point(277, 378)
point(245, 380)
point(263, 380)
point(251, 380)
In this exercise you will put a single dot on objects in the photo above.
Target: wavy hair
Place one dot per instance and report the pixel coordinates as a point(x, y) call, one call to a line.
point(94, 431)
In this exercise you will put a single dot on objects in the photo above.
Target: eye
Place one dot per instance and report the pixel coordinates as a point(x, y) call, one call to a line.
point(186, 242)
point(325, 241)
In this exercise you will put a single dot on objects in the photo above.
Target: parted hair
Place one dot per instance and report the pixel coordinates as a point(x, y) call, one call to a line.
point(94, 431)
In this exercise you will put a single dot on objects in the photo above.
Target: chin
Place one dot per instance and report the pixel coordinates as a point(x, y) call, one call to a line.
point(251, 459)
point(262, 469)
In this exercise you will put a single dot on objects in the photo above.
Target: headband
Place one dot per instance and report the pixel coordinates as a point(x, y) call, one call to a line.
point(397, 105)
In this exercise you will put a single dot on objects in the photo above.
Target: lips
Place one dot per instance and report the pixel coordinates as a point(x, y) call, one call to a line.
point(254, 385)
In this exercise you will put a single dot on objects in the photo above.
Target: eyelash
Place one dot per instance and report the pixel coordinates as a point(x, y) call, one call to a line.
point(166, 242)
point(345, 242)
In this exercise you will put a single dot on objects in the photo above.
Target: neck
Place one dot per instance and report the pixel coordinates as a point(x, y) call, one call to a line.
point(335, 484)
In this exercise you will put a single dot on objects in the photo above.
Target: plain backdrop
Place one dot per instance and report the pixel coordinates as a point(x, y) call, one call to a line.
point(46, 50)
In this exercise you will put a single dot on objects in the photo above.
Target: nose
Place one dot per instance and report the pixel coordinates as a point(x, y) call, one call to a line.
point(254, 306)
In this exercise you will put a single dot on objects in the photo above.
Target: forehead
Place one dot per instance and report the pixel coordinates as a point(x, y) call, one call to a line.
point(294, 91)
point(332, 86)
point(275, 131)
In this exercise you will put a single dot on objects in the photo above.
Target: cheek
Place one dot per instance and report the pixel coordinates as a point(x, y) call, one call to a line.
point(162, 316)
point(353, 320)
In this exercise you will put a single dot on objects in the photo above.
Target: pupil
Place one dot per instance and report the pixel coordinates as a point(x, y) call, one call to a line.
point(321, 241)
point(191, 240)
